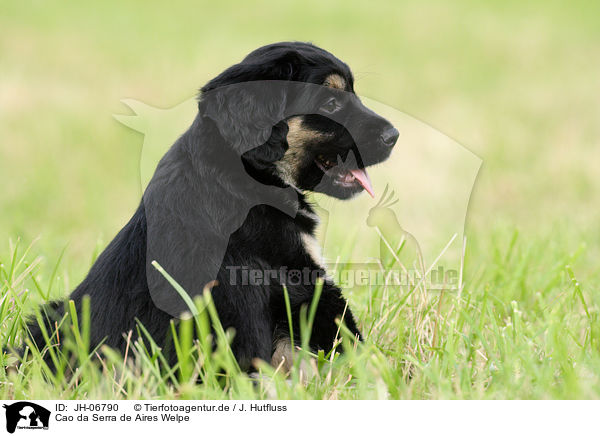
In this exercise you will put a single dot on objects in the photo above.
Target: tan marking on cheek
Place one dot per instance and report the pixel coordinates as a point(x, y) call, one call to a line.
point(335, 81)
point(298, 138)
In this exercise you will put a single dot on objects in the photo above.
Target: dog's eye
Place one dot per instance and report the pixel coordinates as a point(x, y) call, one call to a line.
point(331, 106)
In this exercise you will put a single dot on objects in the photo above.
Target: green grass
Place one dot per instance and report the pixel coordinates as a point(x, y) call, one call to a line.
point(523, 326)
point(514, 82)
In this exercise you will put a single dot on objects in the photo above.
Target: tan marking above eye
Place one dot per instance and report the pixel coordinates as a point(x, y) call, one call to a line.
point(335, 81)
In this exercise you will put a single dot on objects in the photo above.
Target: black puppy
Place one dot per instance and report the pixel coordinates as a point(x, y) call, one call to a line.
point(226, 207)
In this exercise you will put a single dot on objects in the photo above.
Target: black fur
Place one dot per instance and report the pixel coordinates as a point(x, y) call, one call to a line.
point(231, 127)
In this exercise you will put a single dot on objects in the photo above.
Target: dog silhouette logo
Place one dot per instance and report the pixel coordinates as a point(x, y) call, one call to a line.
point(26, 415)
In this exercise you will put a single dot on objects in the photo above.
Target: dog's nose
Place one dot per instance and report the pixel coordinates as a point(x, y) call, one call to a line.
point(389, 136)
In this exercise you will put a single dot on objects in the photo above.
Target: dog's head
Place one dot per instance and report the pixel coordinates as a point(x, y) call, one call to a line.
point(290, 111)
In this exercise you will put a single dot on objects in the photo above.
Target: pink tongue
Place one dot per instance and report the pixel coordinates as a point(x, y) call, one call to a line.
point(363, 178)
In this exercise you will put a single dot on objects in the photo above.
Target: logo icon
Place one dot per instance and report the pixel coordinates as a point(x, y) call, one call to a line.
point(26, 415)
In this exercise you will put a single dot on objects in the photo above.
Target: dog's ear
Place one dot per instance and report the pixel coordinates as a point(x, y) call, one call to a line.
point(248, 99)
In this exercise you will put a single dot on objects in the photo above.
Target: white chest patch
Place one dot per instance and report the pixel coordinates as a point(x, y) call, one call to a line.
point(313, 248)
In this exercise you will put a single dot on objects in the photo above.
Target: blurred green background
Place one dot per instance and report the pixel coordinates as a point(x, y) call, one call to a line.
point(515, 82)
